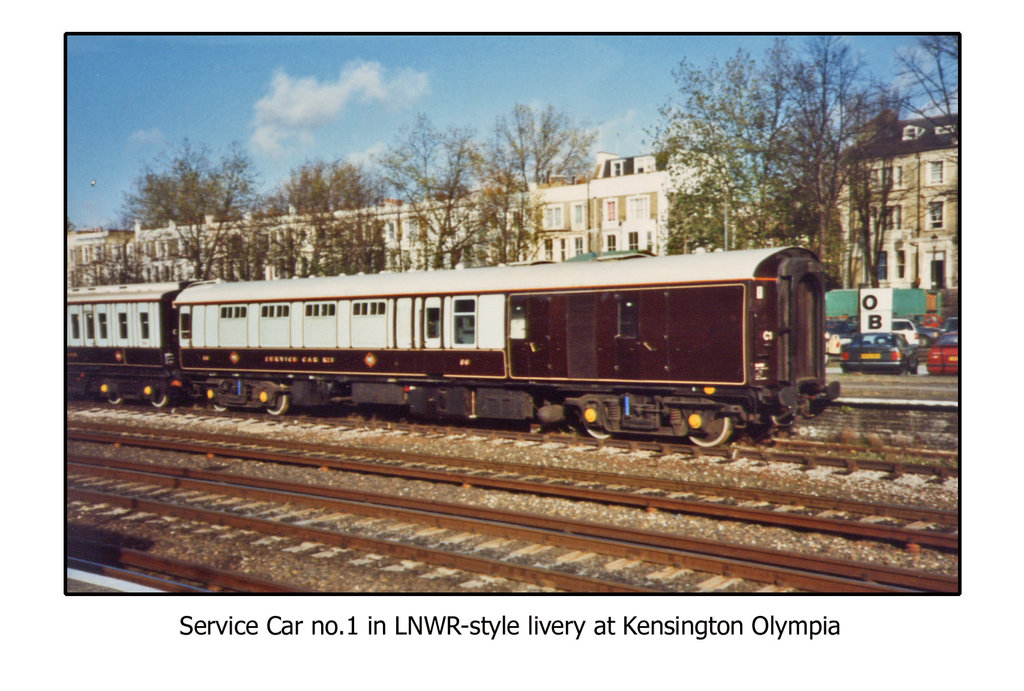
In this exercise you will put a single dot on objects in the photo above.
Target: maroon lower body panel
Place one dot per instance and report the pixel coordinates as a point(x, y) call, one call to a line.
point(451, 363)
point(114, 357)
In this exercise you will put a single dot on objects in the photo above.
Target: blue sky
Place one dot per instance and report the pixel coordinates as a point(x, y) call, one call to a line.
point(289, 99)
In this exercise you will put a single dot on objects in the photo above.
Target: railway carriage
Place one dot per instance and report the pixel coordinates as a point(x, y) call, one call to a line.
point(120, 342)
point(691, 345)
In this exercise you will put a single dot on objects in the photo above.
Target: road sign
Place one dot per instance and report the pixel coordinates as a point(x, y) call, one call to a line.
point(875, 309)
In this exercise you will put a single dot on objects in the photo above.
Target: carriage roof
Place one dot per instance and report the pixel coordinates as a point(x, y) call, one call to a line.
point(676, 269)
point(132, 292)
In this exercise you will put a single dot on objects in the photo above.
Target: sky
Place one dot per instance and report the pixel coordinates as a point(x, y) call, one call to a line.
point(288, 99)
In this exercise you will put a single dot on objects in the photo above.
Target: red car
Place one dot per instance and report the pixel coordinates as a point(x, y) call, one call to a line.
point(944, 357)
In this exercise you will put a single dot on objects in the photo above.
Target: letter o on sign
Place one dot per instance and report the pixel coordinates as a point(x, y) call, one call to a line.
point(869, 302)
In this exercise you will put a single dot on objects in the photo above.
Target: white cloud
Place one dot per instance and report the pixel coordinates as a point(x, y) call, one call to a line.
point(148, 137)
point(297, 106)
point(366, 157)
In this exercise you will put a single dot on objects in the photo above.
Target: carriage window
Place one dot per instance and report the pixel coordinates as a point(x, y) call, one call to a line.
point(275, 311)
point(367, 309)
point(75, 328)
point(433, 315)
point(517, 321)
point(186, 325)
point(628, 318)
point(122, 325)
point(465, 321)
point(144, 325)
point(102, 317)
point(236, 312)
point(90, 326)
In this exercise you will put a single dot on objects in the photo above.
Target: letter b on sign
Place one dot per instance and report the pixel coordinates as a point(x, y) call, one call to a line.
point(876, 309)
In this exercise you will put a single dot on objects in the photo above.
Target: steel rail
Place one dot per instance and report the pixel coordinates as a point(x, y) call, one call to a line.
point(857, 529)
point(114, 559)
point(810, 572)
point(906, 512)
point(471, 564)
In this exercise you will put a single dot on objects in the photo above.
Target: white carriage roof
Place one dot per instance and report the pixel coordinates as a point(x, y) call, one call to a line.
point(716, 266)
point(134, 292)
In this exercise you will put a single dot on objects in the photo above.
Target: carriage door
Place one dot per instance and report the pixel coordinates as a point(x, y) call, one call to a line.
point(801, 302)
point(432, 323)
point(537, 335)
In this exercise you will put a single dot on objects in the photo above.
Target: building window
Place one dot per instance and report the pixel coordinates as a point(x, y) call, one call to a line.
point(638, 208)
point(578, 245)
point(549, 250)
point(578, 211)
point(890, 176)
point(616, 168)
point(634, 241)
point(901, 263)
point(553, 217)
point(935, 173)
point(935, 215)
point(891, 219)
point(611, 211)
point(883, 266)
point(391, 231)
point(610, 243)
point(561, 250)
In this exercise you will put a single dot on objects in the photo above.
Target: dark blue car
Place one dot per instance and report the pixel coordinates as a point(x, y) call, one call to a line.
point(879, 352)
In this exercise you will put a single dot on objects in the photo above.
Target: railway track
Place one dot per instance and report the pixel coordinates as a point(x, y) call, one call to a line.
point(771, 567)
point(896, 462)
point(919, 526)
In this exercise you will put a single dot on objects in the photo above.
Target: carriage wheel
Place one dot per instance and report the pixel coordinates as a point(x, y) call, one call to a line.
point(714, 432)
point(281, 406)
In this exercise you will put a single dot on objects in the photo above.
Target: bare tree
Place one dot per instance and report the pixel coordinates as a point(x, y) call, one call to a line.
point(931, 72)
point(831, 102)
point(436, 174)
point(526, 147)
point(333, 203)
point(207, 201)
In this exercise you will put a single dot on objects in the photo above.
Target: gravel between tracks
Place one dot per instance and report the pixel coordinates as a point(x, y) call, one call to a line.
point(862, 485)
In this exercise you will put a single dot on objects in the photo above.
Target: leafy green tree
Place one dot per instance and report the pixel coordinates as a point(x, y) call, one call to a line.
point(725, 141)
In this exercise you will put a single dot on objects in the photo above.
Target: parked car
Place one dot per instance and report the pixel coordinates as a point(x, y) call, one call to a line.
point(908, 329)
point(837, 334)
point(944, 357)
point(952, 324)
point(879, 352)
point(929, 326)
point(929, 320)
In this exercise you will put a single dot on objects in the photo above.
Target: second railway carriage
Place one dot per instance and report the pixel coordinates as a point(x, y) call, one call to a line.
point(120, 342)
point(690, 345)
